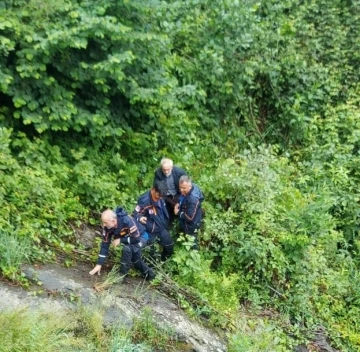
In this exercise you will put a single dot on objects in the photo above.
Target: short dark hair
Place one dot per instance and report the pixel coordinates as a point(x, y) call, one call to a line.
point(161, 188)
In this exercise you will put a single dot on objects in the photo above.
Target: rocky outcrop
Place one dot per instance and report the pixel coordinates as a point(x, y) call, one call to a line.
point(121, 303)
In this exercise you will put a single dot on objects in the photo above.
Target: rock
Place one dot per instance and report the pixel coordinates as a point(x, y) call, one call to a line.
point(85, 235)
point(318, 342)
point(65, 288)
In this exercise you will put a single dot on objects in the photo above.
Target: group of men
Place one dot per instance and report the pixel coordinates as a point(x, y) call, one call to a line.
point(173, 195)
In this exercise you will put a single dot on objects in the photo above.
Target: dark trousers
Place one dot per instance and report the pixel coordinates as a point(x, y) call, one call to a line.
point(165, 240)
point(131, 254)
point(170, 202)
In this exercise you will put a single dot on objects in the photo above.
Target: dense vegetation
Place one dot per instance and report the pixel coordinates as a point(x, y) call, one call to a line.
point(258, 100)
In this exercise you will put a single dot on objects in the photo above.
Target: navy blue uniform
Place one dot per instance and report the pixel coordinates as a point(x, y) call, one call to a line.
point(133, 236)
point(157, 221)
point(190, 212)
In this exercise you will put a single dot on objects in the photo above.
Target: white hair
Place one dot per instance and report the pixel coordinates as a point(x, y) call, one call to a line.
point(166, 161)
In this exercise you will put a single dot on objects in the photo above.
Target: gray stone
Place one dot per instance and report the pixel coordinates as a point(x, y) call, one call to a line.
point(66, 288)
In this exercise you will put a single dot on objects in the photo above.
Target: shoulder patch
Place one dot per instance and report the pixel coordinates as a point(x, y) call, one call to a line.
point(137, 208)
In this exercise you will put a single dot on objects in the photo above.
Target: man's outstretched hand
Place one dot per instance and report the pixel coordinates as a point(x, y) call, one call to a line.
point(96, 269)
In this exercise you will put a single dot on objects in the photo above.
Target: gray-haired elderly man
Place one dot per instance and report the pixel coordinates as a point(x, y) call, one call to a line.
point(170, 174)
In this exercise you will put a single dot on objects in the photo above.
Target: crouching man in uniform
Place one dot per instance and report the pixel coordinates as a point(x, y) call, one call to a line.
point(122, 228)
point(151, 211)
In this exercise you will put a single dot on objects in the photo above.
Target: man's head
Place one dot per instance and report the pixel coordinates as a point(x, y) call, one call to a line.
point(166, 166)
point(159, 190)
point(185, 185)
point(109, 219)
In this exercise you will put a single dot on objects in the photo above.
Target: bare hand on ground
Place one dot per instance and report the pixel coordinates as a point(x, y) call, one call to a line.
point(96, 269)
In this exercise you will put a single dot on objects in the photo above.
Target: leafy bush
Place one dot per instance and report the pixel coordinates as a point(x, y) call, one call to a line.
point(276, 233)
point(259, 335)
point(33, 207)
point(219, 291)
point(259, 101)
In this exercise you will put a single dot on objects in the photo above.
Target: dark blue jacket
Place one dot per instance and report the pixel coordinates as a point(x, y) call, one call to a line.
point(177, 172)
point(190, 213)
point(128, 229)
point(155, 212)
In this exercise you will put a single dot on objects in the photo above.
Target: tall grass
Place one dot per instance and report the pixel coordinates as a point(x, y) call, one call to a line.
point(121, 341)
point(82, 330)
point(32, 332)
point(14, 251)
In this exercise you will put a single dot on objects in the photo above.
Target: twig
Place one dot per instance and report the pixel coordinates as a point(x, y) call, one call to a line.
point(279, 293)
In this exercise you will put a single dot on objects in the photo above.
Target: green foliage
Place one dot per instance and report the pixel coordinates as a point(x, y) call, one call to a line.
point(336, 142)
point(259, 335)
point(124, 344)
point(22, 331)
point(14, 251)
point(339, 301)
point(219, 291)
point(33, 207)
point(90, 326)
point(159, 338)
point(93, 69)
point(81, 330)
point(274, 229)
point(258, 100)
point(269, 223)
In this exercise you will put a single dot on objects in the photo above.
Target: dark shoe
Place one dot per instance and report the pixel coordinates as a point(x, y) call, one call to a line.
point(150, 275)
point(165, 256)
point(124, 279)
point(150, 278)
